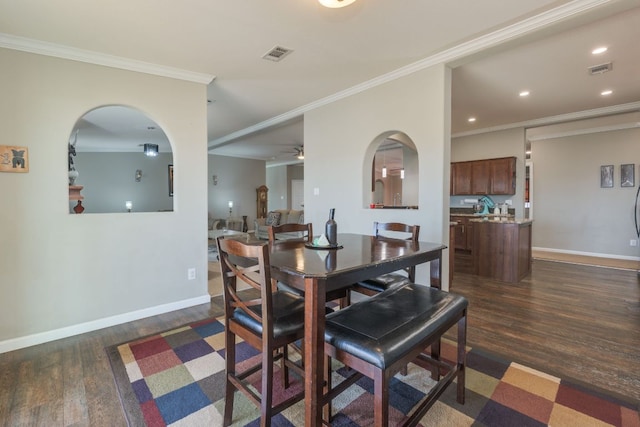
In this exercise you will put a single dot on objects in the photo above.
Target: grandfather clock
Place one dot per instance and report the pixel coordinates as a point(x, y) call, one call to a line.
point(262, 201)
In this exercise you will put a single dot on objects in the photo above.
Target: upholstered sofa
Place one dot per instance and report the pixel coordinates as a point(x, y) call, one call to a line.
point(278, 217)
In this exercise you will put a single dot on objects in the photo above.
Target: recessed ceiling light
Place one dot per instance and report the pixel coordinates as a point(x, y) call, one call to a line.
point(471, 119)
point(606, 92)
point(524, 93)
point(599, 50)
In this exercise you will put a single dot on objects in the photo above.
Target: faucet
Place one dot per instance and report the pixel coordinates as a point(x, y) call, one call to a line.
point(397, 199)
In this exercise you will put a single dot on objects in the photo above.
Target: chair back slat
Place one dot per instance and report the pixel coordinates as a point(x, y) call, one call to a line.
point(249, 264)
point(398, 229)
point(305, 232)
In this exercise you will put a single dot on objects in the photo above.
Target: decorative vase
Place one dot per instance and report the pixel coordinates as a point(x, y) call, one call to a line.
point(73, 175)
point(78, 208)
point(245, 226)
point(331, 229)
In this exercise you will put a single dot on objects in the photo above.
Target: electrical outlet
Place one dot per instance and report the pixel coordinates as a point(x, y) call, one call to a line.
point(633, 242)
point(191, 274)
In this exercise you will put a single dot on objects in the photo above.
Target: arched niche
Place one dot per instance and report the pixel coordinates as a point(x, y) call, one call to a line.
point(107, 150)
point(397, 186)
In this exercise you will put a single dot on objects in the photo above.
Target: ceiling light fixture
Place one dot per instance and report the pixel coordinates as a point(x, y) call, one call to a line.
point(524, 93)
point(606, 92)
point(599, 50)
point(151, 150)
point(471, 119)
point(336, 3)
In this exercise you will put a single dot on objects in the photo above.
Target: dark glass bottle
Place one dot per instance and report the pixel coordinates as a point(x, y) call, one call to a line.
point(331, 229)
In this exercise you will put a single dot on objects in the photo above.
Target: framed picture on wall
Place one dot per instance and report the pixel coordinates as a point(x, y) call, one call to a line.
point(170, 180)
point(627, 175)
point(606, 176)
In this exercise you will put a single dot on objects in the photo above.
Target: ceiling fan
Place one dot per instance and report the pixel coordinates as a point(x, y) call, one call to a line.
point(299, 153)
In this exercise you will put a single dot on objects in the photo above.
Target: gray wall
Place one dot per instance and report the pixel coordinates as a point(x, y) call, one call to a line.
point(571, 212)
point(419, 106)
point(238, 180)
point(65, 274)
point(109, 181)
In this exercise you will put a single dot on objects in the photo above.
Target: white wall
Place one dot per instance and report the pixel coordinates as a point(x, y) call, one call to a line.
point(277, 185)
point(505, 143)
point(238, 180)
point(63, 273)
point(339, 153)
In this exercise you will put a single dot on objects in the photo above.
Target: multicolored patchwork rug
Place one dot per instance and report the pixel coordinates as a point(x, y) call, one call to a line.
point(176, 378)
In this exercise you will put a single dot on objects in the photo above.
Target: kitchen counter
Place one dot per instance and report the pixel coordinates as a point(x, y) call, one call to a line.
point(502, 249)
point(502, 220)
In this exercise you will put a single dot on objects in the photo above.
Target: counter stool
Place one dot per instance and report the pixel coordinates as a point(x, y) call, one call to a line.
point(378, 336)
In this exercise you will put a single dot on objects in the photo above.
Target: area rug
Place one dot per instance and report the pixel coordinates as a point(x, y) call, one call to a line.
point(176, 378)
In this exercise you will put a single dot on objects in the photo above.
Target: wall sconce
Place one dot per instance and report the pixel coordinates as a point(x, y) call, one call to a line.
point(138, 175)
point(384, 171)
point(402, 173)
point(129, 205)
point(215, 179)
point(151, 150)
point(230, 207)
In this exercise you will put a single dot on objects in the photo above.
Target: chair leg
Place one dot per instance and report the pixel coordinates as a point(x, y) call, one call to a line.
point(435, 354)
point(266, 399)
point(283, 367)
point(230, 361)
point(326, 411)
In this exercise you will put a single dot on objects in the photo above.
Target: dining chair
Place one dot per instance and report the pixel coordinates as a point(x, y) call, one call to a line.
point(302, 232)
point(378, 336)
point(268, 322)
point(381, 283)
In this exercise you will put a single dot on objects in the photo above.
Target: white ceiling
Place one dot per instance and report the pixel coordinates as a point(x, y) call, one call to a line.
point(496, 48)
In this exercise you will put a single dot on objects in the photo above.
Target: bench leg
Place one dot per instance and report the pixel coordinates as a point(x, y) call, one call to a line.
point(462, 351)
point(381, 398)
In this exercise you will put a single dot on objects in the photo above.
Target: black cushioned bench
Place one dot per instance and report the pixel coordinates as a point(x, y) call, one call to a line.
point(378, 336)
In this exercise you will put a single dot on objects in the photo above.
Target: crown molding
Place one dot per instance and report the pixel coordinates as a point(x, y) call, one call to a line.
point(9, 41)
point(455, 53)
point(570, 117)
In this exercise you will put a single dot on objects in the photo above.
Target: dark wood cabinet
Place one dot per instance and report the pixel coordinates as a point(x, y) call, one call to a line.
point(461, 178)
point(463, 233)
point(480, 177)
point(502, 250)
point(502, 175)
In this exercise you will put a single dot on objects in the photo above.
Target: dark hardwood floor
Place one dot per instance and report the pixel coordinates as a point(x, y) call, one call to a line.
point(572, 321)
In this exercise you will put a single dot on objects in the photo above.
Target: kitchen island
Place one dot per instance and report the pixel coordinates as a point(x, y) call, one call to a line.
point(502, 248)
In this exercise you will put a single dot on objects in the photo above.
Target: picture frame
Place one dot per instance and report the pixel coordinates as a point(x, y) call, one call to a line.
point(628, 175)
point(14, 159)
point(170, 180)
point(606, 176)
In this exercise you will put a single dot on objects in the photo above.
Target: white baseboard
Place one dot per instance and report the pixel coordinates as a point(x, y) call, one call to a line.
point(81, 328)
point(593, 254)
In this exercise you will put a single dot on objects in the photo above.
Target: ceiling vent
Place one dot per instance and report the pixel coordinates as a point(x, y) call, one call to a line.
point(277, 53)
point(602, 68)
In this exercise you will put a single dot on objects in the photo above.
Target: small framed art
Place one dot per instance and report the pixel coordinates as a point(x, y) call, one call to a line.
point(606, 176)
point(14, 159)
point(170, 180)
point(628, 175)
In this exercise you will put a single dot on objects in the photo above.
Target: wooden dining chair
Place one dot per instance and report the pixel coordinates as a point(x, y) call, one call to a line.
point(304, 232)
point(381, 283)
point(268, 322)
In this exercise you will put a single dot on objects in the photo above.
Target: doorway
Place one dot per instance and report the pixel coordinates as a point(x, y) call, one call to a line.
point(297, 194)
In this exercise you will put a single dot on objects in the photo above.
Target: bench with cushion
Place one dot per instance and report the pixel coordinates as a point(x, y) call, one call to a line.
point(378, 336)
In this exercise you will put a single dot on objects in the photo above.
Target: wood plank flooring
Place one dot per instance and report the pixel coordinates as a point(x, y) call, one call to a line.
point(569, 320)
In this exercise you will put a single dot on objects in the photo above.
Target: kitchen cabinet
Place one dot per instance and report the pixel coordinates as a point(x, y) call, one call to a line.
point(502, 249)
point(481, 177)
point(463, 233)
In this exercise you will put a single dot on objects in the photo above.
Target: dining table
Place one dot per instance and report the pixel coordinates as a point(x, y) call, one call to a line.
point(321, 270)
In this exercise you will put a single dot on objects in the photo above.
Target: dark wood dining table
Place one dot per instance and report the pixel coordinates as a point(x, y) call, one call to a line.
point(319, 271)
